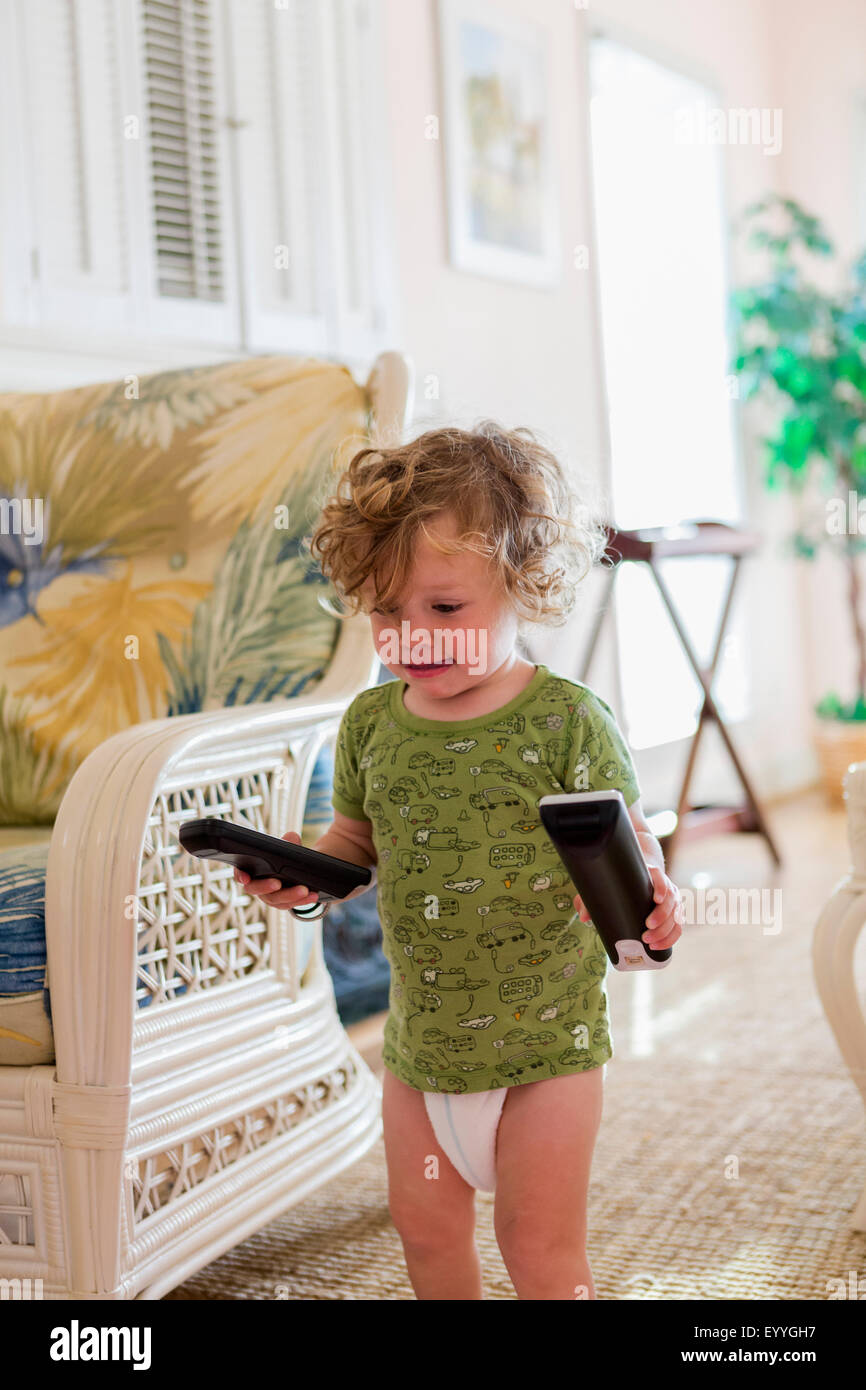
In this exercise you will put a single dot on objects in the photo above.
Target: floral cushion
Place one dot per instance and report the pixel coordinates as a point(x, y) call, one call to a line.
point(153, 566)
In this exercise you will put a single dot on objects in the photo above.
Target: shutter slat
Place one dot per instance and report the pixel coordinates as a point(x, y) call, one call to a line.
point(182, 107)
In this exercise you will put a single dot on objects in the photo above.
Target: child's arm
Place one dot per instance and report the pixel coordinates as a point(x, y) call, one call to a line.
point(652, 850)
point(345, 839)
point(352, 840)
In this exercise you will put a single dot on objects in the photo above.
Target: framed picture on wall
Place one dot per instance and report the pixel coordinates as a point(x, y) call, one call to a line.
point(498, 143)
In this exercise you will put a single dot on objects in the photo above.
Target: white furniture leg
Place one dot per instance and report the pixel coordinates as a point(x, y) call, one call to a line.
point(833, 947)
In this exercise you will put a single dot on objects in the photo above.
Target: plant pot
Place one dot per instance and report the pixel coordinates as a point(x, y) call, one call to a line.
point(839, 742)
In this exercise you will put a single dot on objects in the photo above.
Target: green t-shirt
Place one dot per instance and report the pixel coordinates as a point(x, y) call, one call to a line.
point(495, 981)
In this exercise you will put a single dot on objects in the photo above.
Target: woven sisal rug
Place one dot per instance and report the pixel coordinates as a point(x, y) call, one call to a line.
point(725, 1055)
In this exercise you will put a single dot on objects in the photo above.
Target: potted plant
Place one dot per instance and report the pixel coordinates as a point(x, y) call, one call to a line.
point(801, 349)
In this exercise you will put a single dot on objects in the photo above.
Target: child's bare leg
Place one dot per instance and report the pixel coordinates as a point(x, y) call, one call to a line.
point(434, 1215)
point(544, 1151)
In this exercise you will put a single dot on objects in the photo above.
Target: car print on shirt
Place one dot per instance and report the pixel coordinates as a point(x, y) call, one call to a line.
point(465, 885)
point(477, 916)
point(433, 767)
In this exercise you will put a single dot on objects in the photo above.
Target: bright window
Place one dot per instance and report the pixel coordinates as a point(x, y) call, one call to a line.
point(660, 224)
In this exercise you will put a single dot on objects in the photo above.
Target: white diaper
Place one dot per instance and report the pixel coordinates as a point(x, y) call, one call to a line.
point(465, 1127)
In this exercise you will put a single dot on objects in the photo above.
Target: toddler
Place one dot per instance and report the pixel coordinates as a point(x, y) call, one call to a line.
point(497, 1032)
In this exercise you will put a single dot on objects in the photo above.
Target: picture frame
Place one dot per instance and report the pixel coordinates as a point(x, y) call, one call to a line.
point(498, 137)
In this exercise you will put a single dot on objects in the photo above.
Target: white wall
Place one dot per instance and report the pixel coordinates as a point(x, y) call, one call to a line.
point(488, 347)
point(819, 76)
point(531, 357)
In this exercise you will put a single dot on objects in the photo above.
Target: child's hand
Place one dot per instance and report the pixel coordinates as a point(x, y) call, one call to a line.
point(666, 919)
point(664, 923)
point(271, 891)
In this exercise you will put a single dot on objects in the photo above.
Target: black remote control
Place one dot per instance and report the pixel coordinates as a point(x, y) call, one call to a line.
point(597, 843)
point(266, 856)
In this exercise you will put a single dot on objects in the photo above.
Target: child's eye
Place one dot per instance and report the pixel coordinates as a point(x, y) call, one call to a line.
point(448, 607)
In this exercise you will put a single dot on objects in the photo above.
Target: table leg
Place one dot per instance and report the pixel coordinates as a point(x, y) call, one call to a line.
point(710, 710)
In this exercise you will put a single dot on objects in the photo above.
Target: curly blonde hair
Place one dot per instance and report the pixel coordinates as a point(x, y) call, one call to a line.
point(509, 494)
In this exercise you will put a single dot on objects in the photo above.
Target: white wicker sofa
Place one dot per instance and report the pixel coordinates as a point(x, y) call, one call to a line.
point(172, 1125)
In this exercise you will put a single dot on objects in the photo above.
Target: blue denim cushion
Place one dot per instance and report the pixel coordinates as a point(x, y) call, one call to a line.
point(22, 921)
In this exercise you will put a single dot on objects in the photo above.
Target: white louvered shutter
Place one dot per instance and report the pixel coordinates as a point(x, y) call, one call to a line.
point(201, 171)
point(353, 139)
point(185, 167)
point(309, 155)
point(62, 129)
point(281, 181)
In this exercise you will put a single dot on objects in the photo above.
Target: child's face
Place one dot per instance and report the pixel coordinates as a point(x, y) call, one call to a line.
point(456, 596)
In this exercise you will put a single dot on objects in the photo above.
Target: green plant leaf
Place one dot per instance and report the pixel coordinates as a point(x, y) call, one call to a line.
point(831, 707)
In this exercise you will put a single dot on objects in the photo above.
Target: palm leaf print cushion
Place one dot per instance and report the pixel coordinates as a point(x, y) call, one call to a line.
point(166, 575)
